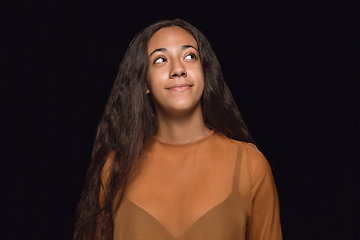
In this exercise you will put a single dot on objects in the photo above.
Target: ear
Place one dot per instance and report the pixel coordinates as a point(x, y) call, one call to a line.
point(147, 89)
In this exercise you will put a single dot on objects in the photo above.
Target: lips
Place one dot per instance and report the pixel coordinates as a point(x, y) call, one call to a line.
point(180, 87)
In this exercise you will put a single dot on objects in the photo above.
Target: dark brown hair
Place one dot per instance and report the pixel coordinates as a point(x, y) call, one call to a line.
point(129, 124)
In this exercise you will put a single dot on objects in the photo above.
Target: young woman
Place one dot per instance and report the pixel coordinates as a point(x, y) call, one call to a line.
point(172, 158)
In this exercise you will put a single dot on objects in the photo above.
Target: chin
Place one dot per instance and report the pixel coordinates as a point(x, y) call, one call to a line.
point(183, 108)
point(178, 106)
point(182, 105)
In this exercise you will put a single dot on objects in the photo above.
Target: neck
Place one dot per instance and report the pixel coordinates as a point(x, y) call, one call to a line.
point(181, 127)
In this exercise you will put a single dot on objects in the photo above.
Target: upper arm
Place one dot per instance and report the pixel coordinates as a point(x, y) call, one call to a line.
point(105, 176)
point(264, 221)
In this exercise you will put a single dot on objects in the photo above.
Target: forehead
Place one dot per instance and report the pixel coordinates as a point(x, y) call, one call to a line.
point(171, 37)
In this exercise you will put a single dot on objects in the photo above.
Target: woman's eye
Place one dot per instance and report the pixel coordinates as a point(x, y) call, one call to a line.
point(159, 60)
point(190, 56)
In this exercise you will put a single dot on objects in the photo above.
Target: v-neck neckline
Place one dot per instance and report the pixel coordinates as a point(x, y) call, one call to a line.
point(191, 226)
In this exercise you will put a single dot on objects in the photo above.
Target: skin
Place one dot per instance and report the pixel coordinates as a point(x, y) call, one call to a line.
point(176, 83)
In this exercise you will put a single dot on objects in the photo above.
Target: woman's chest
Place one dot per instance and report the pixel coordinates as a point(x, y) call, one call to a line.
point(227, 220)
point(182, 199)
point(179, 193)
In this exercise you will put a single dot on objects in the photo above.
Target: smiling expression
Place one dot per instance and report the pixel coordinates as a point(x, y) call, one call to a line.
point(175, 76)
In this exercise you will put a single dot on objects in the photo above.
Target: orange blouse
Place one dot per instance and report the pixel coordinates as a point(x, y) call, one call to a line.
point(213, 188)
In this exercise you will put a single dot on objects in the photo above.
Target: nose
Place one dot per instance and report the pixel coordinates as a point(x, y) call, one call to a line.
point(178, 70)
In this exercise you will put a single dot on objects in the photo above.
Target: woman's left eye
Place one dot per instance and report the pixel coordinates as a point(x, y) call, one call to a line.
point(190, 56)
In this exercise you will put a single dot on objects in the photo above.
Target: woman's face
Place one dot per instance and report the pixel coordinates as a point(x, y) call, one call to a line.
point(175, 76)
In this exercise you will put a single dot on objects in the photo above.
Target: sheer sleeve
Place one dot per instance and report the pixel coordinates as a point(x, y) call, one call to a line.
point(105, 177)
point(104, 181)
point(264, 221)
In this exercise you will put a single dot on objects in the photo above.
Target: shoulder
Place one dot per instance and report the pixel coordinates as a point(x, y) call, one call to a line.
point(250, 153)
point(254, 160)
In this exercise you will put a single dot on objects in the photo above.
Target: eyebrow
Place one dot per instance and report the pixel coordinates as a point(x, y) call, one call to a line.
point(158, 50)
point(188, 46)
point(165, 50)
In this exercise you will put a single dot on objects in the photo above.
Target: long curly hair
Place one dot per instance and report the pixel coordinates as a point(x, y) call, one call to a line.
point(129, 123)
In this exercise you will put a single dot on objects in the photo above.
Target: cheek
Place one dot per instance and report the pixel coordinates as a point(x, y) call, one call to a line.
point(200, 79)
point(155, 79)
point(151, 81)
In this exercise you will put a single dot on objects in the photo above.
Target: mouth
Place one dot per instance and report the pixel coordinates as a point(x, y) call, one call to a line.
point(180, 87)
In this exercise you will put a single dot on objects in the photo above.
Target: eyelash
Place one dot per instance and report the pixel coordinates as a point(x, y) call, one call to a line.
point(193, 55)
point(159, 57)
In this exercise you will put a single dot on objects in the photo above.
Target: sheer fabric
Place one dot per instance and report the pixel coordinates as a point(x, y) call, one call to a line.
point(213, 188)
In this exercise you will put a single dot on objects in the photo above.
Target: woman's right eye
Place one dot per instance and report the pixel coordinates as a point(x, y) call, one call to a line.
point(159, 60)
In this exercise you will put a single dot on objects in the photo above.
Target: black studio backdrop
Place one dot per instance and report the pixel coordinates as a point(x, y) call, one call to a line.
point(293, 68)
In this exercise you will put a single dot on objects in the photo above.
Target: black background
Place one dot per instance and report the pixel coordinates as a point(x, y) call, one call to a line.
point(292, 66)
